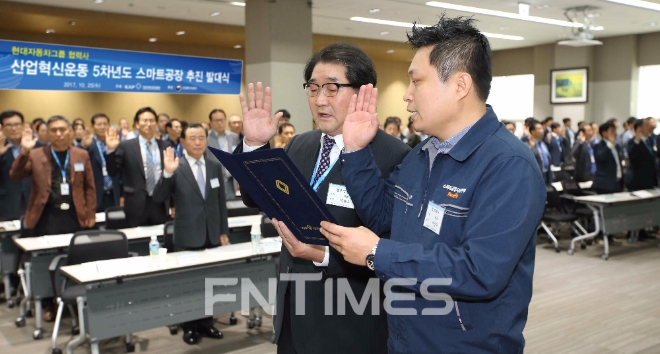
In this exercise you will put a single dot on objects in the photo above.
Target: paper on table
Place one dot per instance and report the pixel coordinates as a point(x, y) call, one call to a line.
point(126, 266)
point(643, 194)
point(150, 229)
point(58, 240)
point(271, 244)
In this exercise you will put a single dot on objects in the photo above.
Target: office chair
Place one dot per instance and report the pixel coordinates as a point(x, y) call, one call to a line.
point(85, 246)
point(9, 259)
point(115, 218)
point(556, 212)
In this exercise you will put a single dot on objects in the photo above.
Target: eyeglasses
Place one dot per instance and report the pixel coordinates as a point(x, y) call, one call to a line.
point(13, 125)
point(329, 90)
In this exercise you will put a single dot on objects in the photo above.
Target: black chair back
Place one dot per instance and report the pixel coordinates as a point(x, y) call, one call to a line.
point(554, 200)
point(97, 245)
point(115, 218)
point(168, 233)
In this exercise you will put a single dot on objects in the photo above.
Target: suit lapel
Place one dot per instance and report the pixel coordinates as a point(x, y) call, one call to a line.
point(211, 171)
point(72, 164)
point(47, 162)
point(186, 170)
point(310, 156)
point(138, 151)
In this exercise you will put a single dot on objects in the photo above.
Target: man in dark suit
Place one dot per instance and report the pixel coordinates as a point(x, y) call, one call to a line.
point(608, 155)
point(583, 153)
point(641, 173)
point(14, 195)
point(108, 189)
point(555, 145)
point(174, 128)
point(140, 163)
point(536, 142)
point(568, 132)
point(195, 181)
point(332, 77)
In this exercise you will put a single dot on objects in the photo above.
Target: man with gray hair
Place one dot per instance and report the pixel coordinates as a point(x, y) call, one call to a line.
point(63, 198)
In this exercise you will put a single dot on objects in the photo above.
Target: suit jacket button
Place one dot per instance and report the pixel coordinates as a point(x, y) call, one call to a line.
point(288, 269)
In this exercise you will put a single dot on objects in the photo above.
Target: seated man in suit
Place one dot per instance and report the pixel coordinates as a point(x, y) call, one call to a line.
point(608, 178)
point(540, 149)
point(195, 181)
point(583, 153)
point(641, 173)
point(108, 190)
point(140, 162)
point(332, 77)
point(14, 195)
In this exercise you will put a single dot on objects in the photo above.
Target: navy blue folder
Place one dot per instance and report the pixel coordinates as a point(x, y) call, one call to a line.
point(274, 182)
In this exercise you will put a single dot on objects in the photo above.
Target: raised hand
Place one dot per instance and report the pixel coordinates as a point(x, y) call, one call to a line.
point(361, 124)
point(170, 162)
point(88, 138)
point(3, 144)
point(112, 139)
point(258, 125)
point(28, 141)
point(582, 137)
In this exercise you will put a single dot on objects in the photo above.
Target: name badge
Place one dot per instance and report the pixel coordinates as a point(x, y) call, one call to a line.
point(64, 189)
point(593, 160)
point(338, 196)
point(434, 216)
point(78, 167)
point(215, 183)
point(105, 171)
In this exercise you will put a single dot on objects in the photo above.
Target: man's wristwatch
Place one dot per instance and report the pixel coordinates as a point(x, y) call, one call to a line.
point(371, 256)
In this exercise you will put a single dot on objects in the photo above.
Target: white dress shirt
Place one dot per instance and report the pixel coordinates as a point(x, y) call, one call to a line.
point(612, 147)
point(334, 156)
point(155, 153)
point(193, 166)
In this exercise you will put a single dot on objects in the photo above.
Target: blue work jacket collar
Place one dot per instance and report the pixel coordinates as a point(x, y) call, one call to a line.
point(486, 126)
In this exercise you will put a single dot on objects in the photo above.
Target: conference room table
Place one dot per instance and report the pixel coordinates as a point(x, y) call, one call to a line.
point(36, 278)
point(620, 212)
point(129, 295)
point(15, 225)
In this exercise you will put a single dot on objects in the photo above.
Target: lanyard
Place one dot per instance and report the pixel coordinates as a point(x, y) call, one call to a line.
point(317, 183)
point(66, 163)
point(101, 152)
point(149, 155)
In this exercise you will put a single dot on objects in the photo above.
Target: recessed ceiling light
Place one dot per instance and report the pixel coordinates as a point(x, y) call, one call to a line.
point(513, 16)
point(409, 25)
point(373, 11)
point(72, 23)
point(153, 39)
point(504, 28)
point(98, 1)
point(596, 28)
point(49, 31)
point(238, 46)
point(237, 3)
point(650, 24)
point(390, 51)
point(181, 33)
point(215, 13)
point(542, 6)
point(638, 3)
point(384, 33)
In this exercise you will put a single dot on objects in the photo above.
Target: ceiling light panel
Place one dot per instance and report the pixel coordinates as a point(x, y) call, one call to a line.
point(638, 3)
point(410, 25)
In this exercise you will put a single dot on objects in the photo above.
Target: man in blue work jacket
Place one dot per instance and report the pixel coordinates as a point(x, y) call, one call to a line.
point(463, 206)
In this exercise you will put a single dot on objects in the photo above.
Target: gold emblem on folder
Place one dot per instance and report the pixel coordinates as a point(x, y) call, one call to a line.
point(282, 186)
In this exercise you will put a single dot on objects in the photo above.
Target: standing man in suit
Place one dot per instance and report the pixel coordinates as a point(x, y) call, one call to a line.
point(332, 77)
point(108, 190)
point(195, 181)
point(14, 195)
point(554, 142)
point(225, 140)
point(540, 149)
point(570, 134)
point(236, 125)
point(63, 198)
point(563, 144)
point(583, 153)
point(173, 128)
point(140, 163)
point(609, 169)
point(641, 173)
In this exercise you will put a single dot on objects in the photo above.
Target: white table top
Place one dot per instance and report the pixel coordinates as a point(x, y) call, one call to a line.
point(15, 225)
point(99, 271)
point(619, 197)
point(583, 185)
point(49, 242)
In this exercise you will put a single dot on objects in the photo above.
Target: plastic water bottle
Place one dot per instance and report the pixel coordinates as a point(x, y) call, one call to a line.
point(153, 246)
point(255, 236)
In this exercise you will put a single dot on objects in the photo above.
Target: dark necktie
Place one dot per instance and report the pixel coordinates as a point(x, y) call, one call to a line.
point(324, 163)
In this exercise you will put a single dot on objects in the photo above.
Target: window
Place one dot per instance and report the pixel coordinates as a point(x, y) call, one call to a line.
point(512, 97)
point(647, 94)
